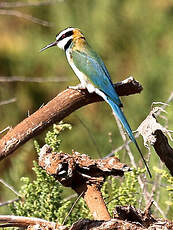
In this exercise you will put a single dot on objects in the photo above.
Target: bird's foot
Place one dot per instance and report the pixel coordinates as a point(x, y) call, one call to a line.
point(77, 87)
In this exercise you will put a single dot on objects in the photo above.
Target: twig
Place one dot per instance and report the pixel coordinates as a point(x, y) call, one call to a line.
point(33, 79)
point(8, 202)
point(118, 149)
point(164, 105)
point(126, 146)
point(72, 207)
point(7, 128)
point(23, 4)
point(158, 183)
point(12, 100)
point(90, 135)
point(70, 197)
point(155, 185)
point(121, 146)
point(56, 110)
point(9, 187)
point(21, 221)
point(25, 16)
point(159, 209)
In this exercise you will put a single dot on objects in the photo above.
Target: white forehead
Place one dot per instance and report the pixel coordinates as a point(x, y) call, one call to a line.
point(63, 32)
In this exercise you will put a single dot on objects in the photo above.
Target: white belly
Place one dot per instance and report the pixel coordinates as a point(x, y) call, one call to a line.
point(82, 77)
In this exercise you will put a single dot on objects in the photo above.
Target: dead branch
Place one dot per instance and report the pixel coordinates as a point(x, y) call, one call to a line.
point(8, 202)
point(131, 214)
point(84, 175)
point(33, 79)
point(119, 225)
point(163, 149)
point(6, 102)
point(153, 133)
point(9, 187)
point(19, 14)
point(116, 223)
point(56, 110)
point(21, 221)
point(126, 218)
point(5, 129)
point(26, 4)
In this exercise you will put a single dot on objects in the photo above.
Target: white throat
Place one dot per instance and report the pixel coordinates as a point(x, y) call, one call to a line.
point(61, 44)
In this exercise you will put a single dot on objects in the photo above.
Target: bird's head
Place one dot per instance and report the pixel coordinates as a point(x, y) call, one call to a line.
point(65, 38)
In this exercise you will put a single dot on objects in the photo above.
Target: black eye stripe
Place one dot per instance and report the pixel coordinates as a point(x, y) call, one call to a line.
point(67, 44)
point(67, 34)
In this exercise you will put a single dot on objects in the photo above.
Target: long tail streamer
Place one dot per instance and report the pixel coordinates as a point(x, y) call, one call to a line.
point(117, 110)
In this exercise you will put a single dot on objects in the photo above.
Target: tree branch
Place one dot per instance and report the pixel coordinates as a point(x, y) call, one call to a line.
point(21, 221)
point(26, 4)
point(164, 150)
point(25, 16)
point(153, 133)
point(56, 110)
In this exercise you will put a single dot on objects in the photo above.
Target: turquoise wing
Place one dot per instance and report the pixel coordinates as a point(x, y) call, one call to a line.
point(93, 67)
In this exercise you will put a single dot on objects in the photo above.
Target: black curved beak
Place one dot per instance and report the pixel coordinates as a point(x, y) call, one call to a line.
point(48, 46)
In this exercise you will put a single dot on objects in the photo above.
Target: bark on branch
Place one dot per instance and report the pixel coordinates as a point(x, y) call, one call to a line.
point(154, 134)
point(164, 150)
point(84, 175)
point(56, 110)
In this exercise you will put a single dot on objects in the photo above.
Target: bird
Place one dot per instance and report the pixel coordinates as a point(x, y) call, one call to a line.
point(92, 74)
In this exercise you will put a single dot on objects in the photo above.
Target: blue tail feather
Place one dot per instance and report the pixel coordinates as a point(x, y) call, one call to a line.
point(118, 112)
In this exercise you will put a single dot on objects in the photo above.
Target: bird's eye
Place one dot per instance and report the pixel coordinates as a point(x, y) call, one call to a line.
point(65, 35)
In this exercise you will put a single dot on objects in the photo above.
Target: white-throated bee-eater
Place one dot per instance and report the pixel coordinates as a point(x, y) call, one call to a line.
point(92, 73)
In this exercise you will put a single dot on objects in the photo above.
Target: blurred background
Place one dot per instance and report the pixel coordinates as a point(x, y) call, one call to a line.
point(133, 38)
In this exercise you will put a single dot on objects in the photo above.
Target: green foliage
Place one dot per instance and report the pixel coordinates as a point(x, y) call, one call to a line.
point(39, 198)
point(43, 197)
point(52, 137)
point(124, 193)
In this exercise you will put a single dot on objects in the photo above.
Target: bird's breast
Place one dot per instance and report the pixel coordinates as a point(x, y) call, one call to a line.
point(81, 76)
